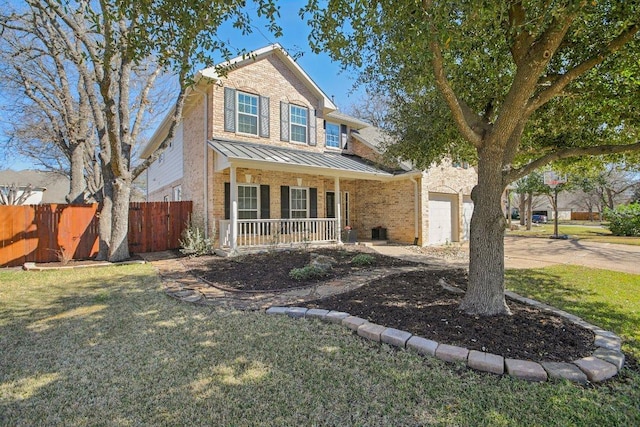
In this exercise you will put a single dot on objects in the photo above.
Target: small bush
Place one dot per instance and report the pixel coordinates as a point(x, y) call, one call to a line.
point(363, 260)
point(624, 220)
point(307, 272)
point(194, 243)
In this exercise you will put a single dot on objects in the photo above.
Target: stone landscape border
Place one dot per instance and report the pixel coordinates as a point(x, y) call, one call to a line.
point(605, 362)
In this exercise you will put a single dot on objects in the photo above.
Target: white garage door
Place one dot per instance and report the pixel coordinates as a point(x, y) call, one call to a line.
point(440, 219)
point(467, 211)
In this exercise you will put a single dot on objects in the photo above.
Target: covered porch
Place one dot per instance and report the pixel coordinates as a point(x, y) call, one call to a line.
point(312, 191)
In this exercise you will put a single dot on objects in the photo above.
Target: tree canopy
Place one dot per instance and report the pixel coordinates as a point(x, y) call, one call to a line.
point(517, 84)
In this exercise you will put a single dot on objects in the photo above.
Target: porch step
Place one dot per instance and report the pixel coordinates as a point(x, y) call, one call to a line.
point(369, 243)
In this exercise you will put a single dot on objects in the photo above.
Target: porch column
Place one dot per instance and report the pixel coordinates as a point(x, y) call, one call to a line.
point(338, 201)
point(234, 209)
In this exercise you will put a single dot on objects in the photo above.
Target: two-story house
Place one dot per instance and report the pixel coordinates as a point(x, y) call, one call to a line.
point(267, 159)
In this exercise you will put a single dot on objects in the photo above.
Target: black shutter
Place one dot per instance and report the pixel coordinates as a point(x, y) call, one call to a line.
point(284, 121)
point(229, 109)
point(343, 137)
point(313, 203)
point(311, 121)
point(227, 200)
point(284, 202)
point(264, 117)
point(265, 202)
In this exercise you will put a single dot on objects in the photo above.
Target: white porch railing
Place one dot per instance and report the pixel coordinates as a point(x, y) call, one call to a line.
point(274, 232)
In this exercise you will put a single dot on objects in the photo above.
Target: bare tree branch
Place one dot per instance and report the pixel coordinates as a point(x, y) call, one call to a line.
point(598, 150)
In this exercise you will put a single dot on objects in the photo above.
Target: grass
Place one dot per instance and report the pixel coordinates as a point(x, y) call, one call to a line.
point(606, 298)
point(107, 347)
point(576, 231)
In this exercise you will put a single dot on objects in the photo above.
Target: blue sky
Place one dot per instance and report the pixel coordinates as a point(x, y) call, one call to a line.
point(327, 74)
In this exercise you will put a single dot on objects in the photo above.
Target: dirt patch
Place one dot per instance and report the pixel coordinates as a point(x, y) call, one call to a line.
point(415, 302)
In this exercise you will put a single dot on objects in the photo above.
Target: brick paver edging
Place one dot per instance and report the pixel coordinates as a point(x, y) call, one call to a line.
point(603, 364)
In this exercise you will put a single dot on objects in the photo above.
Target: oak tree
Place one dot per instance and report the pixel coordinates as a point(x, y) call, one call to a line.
point(519, 84)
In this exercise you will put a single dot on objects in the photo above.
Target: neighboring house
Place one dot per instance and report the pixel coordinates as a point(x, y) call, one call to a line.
point(267, 158)
point(46, 187)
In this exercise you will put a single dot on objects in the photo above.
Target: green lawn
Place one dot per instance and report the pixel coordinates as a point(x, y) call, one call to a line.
point(107, 347)
point(580, 232)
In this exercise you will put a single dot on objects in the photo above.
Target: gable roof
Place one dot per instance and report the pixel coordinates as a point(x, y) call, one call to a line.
point(54, 185)
point(328, 163)
point(257, 55)
point(211, 75)
point(375, 138)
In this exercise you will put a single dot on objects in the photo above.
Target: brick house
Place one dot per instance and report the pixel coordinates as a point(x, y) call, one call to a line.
point(267, 159)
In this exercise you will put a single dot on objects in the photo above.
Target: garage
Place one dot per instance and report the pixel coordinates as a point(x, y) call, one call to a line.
point(442, 210)
point(467, 211)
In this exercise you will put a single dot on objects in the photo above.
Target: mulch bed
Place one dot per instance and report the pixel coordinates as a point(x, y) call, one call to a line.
point(414, 302)
point(269, 271)
point(417, 303)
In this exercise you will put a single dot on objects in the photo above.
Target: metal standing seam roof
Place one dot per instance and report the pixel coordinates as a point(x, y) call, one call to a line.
point(270, 154)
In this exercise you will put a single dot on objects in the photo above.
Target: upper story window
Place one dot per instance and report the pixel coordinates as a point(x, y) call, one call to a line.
point(247, 113)
point(332, 133)
point(298, 124)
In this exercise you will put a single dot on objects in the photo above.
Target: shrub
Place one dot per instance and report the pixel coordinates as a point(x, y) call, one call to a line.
point(363, 260)
point(307, 272)
point(624, 220)
point(193, 241)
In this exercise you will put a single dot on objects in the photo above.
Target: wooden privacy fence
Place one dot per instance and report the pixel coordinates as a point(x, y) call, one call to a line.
point(585, 216)
point(39, 233)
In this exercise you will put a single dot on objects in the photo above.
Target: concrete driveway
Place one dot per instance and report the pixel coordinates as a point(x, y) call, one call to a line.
point(530, 252)
point(527, 252)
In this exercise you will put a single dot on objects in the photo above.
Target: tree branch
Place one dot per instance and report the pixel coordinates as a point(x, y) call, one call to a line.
point(562, 81)
point(598, 150)
point(466, 120)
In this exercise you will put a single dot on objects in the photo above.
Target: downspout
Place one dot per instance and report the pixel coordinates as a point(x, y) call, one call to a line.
point(416, 207)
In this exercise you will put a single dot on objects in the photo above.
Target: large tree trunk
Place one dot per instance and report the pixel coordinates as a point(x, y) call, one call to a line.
point(78, 183)
point(529, 210)
point(104, 242)
point(119, 244)
point(485, 292)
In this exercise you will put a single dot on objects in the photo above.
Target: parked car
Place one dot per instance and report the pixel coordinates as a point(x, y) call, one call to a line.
point(539, 219)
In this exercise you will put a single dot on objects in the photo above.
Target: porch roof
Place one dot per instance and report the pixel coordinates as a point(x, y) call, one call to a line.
point(261, 156)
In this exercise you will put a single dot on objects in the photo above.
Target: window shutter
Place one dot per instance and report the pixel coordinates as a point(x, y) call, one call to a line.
point(343, 136)
point(264, 117)
point(265, 202)
point(311, 121)
point(284, 202)
point(313, 203)
point(284, 121)
point(229, 109)
point(227, 200)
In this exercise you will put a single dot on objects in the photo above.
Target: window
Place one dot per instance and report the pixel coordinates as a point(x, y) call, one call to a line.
point(332, 132)
point(298, 119)
point(177, 193)
point(299, 203)
point(247, 113)
point(247, 202)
